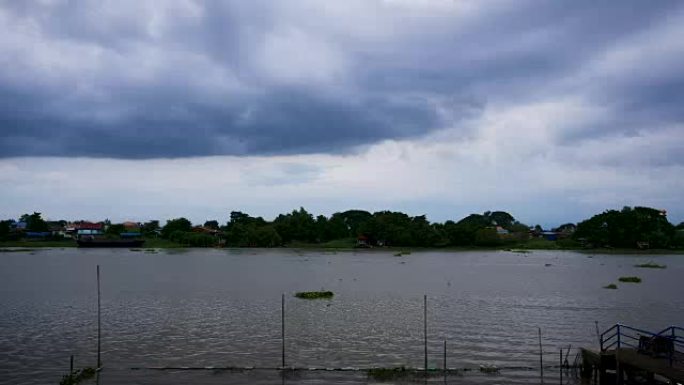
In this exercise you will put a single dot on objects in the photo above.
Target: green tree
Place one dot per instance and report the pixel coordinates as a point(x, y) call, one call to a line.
point(298, 225)
point(487, 237)
point(352, 220)
point(5, 227)
point(500, 218)
point(627, 228)
point(115, 229)
point(213, 224)
point(34, 222)
point(178, 224)
point(150, 228)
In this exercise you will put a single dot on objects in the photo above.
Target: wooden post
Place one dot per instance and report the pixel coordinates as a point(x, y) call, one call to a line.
point(618, 376)
point(71, 365)
point(598, 336)
point(282, 328)
point(541, 360)
point(560, 367)
point(445, 363)
point(99, 325)
point(425, 331)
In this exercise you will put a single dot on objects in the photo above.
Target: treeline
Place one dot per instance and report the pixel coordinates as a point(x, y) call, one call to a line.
point(627, 228)
point(631, 227)
point(383, 228)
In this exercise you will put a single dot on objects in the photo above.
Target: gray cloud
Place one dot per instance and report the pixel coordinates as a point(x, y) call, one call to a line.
point(182, 78)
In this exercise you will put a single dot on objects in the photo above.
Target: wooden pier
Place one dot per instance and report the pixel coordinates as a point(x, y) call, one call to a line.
point(630, 355)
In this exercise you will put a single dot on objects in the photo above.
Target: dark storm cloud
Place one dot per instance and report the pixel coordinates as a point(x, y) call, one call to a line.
point(155, 79)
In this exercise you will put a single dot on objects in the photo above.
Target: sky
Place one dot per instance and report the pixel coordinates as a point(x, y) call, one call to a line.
point(135, 110)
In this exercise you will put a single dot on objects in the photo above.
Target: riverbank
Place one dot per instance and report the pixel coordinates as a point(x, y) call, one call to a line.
point(157, 243)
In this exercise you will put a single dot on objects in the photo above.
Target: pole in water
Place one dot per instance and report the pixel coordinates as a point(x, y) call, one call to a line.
point(541, 360)
point(560, 367)
point(425, 330)
point(99, 335)
point(445, 364)
point(71, 365)
point(282, 327)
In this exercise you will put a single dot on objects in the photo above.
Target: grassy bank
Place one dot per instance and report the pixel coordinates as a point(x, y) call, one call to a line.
point(36, 244)
point(348, 244)
point(155, 243)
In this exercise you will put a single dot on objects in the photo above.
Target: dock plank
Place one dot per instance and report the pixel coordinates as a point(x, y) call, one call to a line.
point(659, 366)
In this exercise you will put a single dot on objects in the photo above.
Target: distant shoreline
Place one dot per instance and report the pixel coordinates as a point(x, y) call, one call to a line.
point(162, 244)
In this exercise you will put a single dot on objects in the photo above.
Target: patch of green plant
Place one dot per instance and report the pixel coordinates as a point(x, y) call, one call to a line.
point(630, 279)
point(610, 286)
point(402, 253)
point(386, 374)
point(651, 265)
point(78, 376)
point(401, 373)
point(314, 294)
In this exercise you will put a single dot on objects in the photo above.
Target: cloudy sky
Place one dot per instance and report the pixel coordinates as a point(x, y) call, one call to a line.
point(147, 109)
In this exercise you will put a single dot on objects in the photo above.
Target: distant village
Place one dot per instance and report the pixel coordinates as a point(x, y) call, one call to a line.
point(63, 229)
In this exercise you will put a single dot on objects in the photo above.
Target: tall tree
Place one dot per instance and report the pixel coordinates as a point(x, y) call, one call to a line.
point(212, 224)
point(34, 222)
point(627, 227)
point(178, 224)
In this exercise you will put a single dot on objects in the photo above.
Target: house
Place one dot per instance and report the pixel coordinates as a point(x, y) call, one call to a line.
point(131, 227)
point(550, 235)
point(362, 242)
point(205, 230)
point(501, 231)
point(57, 229)
point(566, 230)
point(89, 228)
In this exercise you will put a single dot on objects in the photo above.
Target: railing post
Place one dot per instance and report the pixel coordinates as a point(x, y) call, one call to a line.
point(673, 338)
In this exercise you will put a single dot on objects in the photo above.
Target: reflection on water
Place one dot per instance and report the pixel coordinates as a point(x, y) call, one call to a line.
point(222, 308)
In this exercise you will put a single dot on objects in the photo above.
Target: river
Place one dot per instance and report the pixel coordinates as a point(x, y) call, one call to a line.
point(209, 307)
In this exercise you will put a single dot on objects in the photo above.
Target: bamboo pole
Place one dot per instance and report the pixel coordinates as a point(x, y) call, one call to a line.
point(445, 362)
point(282, 328)
point(560, 367)
point(541, 360)
point(99, 324)
point(425, 331)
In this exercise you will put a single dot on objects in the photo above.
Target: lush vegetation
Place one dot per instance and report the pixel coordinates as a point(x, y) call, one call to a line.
point(314, 294)
point(630, 279)
point(629, 228)
point(78, 376)
point(651, 265)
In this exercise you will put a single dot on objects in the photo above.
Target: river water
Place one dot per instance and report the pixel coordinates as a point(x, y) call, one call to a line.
point(218, 308)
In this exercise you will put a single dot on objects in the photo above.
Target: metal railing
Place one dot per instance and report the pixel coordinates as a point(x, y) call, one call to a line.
point(623, 336)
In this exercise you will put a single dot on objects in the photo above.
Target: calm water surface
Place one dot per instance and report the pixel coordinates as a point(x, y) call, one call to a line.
point(222, 308)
